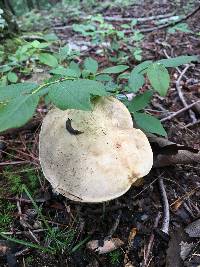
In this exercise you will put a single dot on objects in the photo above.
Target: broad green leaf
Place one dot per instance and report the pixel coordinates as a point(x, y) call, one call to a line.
point(125, 26)
point(12, 77)
point(75, 94)
point(4, 68)
point(35, 44)
point(50, 37)
point(137, 36)
point(177, 61)
point(133, 22)
point(140, 68)
point(124, 75)
point(136, 81)
point(18, 111)
point(103, 78)
point(140, 101)
point(85, 73)
point(91, 65)
point(115, 69)
point(48, 59)
point(64, 71)
point(74, 66)
point(138, 54)
point(111, 87)
point(182, 27)
point(159, 78)
point(149, 123)
point(64, 52)
point(14, 90)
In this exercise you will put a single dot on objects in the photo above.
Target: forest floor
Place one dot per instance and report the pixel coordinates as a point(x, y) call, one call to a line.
point(135, 220)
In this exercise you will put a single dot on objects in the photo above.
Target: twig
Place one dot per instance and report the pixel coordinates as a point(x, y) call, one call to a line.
point(23, 199)
point(22, 232)
point(178, 88)
point(166, 216)
point(172, 23)
point(139, 19)
point(115, 225)
point(147, 251)
point(15, 162)
point(175, 114)
point(191, 124)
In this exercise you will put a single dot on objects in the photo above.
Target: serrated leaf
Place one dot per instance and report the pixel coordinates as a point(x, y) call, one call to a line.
point(48, 59)
point(177, 61)
point(149, 123)
point(140, 101)
point(91, 65)
point(18, 111)
point(12, 91)
point(136, 81)
point(159, 78)
point(115, 69)
point(75, 94)
point(12, 77)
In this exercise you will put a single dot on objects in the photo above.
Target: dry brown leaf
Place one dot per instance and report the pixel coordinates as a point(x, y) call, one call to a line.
point(108, 245)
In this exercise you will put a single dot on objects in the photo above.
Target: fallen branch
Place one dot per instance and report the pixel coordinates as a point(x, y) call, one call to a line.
point(15, 162)
point(182, 157)
point(172, 23)
point(191, 124)
point(175, 114)
point(147, 251)
point(180, 93)
point(170, 15)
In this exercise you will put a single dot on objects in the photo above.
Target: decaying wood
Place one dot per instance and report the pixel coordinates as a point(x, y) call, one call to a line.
point(182, 157)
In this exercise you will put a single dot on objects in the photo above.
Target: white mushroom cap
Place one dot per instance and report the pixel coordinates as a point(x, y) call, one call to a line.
point(99, 164)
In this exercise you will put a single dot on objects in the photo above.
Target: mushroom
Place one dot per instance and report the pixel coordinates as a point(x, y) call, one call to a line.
point(93, 156)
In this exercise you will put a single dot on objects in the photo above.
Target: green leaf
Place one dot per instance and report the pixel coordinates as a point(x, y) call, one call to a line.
point(140, 68)
point(136, 81)
point(115, 69)
point(137, 36)
point(18, 111)
point(12, 91)
point(64, 52)
point(48, 59)
point(50, 37)
point(4, 68)
point(134, 22)
point(138, 54)
point(149, 123)
point(91, 65)
point(140, 101)
point(12, 77)
point(103, 78)
point(74, 66)
point(159, 78)
point(177, 61)
point(75, 94)
point(182, 27)
point(64, 71)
